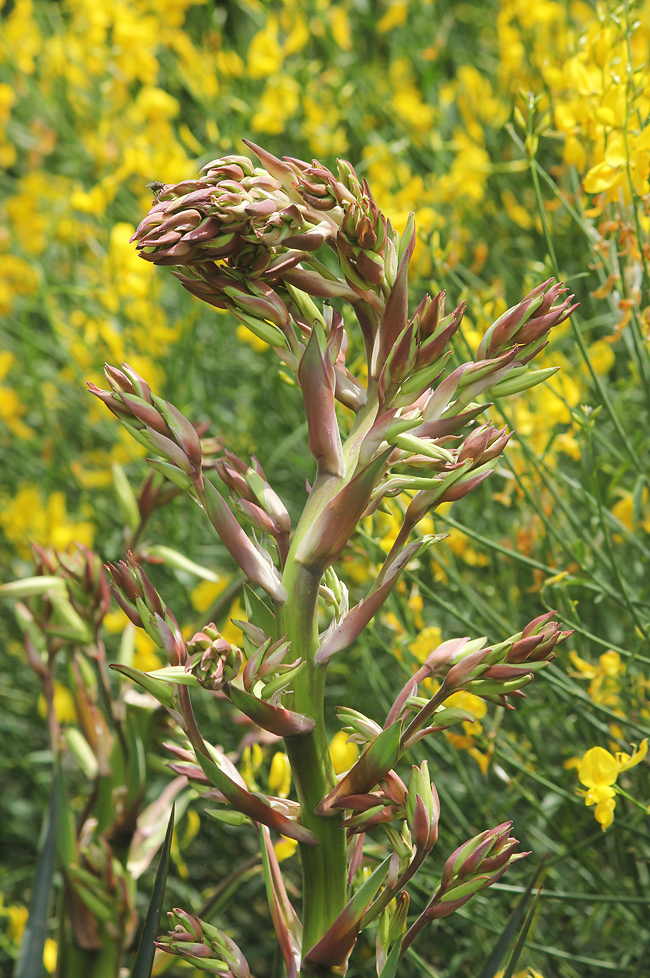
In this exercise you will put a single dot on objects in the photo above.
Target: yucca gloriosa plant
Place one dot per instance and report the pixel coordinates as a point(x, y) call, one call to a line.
point(282, 246)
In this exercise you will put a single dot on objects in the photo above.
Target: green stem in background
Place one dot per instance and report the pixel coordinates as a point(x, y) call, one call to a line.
point(600, 387)
point(607, 538)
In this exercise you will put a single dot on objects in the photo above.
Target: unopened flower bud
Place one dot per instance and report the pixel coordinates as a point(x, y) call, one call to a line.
point(213, 660)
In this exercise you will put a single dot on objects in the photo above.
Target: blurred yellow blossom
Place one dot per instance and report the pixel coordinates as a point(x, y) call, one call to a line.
point(26, 519)
point(342, 753)
point(280, 775)
point(63, 703)
point(285, 848)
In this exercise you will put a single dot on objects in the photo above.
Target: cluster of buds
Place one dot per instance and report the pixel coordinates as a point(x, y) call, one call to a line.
point(99, 883)
point(143, 606)
point(85, 580)
point(211, 659)
point(162, 429)
point(67, 599)
point(495, 673)
point(156, 424)
point(525, 324)
point(475, 865)
point(232, 206)
point(205, 947)
point(258, 503)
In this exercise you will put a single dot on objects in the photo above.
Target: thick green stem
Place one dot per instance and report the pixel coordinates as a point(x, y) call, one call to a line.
point(324, 867)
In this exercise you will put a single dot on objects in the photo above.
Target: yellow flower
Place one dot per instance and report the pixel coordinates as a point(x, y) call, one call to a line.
point(63, 702)
point(395, 16)
point(265, 55)
point(146, 656)
point(25, 519)
point(285, 849)
point(342, 753)
point(50, 953)
point(17, 922)
point(280, 775)
point(598, 772)
point(206, 593)
point(428, 640)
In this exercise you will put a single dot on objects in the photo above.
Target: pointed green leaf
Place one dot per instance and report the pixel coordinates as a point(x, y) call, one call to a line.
point(259, 613)
point(390, 968)
point(374, 763)
point(521, 939)
point(143, 965)
point(180, 562)
point(493, 963)
point(161, 691)
point(30, 960)
point(227, 817)
point(66, 841)
point(174, 674)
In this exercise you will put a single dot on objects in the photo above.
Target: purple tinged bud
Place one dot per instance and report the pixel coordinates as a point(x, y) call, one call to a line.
point(258, 570)
point(317, 381)
point(169, 449)
point(257, 517)
point(130, 612)
point(468, 668)
point(183, 430)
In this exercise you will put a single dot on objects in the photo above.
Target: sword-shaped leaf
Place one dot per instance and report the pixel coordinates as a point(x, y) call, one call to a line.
point(251, 805)
point(287, 926)
point(143, 965)
point(334, 948)
point(374, 763)
point(160, 690)
point(30, 959)
point(276, 719)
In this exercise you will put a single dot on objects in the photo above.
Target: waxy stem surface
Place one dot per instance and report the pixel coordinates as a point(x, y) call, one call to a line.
point(324, 867)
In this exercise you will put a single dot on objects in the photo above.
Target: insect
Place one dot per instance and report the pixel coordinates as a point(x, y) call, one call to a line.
point(156, 186)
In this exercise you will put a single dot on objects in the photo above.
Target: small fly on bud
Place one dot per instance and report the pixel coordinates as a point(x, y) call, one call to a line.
point(155, 187)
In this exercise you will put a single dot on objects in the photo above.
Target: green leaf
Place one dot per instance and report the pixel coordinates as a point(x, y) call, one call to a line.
point(227, 817)
point(390, 968)
point(493, 963)
point(180, 562)
point(521, 939)
point(30, 959)
point(144, 958)
point(126, 500)
point(161, 691)
point(66, 841)
point(259, 613)
point(174, 674)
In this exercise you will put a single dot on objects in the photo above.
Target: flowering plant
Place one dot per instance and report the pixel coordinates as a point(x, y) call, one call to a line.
point(268, 242)
point(283, 246)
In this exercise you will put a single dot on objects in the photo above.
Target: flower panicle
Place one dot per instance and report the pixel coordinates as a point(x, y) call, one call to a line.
point(144, 607)
point(204, 946)
point(474, 866)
